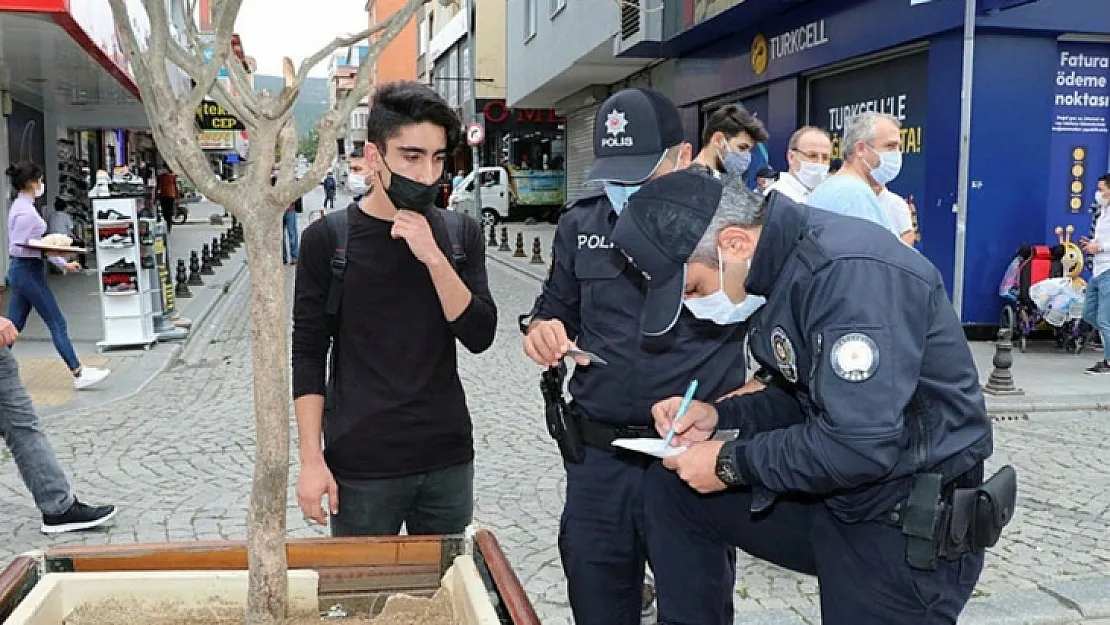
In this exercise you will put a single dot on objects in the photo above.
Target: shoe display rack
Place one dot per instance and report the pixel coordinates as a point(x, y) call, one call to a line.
point(73, 188)
point(125, 252)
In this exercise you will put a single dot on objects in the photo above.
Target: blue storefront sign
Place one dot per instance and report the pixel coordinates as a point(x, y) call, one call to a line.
point(1079, 151)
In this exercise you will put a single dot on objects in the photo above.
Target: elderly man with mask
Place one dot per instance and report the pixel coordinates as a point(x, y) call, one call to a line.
point(808, 154)
point(872, 151)
point(862, 461)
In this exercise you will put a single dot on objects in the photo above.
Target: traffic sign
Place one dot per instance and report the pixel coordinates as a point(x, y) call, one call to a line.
point(475, 134)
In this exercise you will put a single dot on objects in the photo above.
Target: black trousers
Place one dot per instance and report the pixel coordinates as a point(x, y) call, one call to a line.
point(860, 567)
point(436, 502)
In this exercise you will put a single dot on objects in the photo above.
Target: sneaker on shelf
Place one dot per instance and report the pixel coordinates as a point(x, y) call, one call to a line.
point(1100, 368)
point(120, 265)
point(121, 288)
point(111, 213)
point(89, 376)
point(117, 240)
point(78, 517)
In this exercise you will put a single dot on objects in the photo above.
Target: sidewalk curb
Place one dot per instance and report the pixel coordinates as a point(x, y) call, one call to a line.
point(171, 358)
point(1002, 408)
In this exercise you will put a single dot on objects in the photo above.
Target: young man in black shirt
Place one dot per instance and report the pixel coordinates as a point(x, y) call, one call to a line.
point(397, 444)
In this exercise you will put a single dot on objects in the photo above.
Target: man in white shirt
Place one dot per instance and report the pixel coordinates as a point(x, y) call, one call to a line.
point(1096, 310)
point(808, 154)
point(897, 213)
point(872, 150)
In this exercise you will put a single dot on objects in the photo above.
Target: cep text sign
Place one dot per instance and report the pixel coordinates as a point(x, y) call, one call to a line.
point(212, 116)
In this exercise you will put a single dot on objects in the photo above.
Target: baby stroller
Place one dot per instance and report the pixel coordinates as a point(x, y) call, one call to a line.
point(1041, 289)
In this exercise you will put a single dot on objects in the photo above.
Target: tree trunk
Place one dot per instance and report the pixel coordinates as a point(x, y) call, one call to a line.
point(267, 588)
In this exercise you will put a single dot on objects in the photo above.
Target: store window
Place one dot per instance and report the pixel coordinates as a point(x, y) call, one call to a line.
point(529, 19)
point(464, 71)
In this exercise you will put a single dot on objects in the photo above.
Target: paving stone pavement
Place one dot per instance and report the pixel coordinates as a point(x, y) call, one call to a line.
point(177, 458)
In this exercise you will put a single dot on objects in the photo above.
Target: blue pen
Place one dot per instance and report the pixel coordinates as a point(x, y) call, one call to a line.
point(686, 399)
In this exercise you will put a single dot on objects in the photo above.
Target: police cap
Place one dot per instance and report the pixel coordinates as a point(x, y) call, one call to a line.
point(658, 231)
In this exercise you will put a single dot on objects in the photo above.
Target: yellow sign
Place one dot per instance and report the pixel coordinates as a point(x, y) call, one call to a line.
point(760, 54)
point(216, 139)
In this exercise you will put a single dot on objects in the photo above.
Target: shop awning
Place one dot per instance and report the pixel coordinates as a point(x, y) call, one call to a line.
point(64, 56)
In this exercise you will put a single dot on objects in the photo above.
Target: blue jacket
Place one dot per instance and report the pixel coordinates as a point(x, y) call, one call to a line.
point(599, 298)
point(873, 378)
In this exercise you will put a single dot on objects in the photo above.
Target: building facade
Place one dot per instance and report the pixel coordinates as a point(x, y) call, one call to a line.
point(342, 68)
point(561, 56)
point(1040, 103)
point(398, 60)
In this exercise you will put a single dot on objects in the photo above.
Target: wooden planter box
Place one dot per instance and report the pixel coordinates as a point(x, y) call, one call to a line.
point(357, 572)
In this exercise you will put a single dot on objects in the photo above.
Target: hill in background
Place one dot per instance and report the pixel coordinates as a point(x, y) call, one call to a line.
point(311, 105)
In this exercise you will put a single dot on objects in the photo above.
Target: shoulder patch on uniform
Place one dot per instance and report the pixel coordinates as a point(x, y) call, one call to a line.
point(854, 357)
point(784, 354)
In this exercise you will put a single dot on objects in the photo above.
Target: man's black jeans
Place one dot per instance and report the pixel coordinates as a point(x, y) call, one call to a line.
point(437, 502)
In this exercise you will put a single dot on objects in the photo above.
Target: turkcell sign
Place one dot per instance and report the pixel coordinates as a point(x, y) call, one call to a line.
point(798, 40)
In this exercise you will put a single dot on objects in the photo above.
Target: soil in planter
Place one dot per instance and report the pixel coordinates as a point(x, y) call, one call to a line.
point(398, 610)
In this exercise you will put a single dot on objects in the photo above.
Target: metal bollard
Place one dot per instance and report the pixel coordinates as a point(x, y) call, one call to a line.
point(225, 252)
point(205, 261)
point(519, 251)
point(537, 259)
point(1001, 380)
point(194, 270)
point(216, 253)
point(181, 290)
point(492, 236)
point(504, 240)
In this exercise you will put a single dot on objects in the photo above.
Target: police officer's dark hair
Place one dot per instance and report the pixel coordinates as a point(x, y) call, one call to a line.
point(405, 103)
point(22, 174)
point(731, 120)
point(1105, 179)
point(739, 206)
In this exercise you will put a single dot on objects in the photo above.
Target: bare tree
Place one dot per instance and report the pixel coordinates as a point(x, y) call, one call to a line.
point(259, 206)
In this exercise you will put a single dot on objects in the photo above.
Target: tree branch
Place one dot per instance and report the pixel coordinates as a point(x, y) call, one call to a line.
point(224, 22)
point(247, 105)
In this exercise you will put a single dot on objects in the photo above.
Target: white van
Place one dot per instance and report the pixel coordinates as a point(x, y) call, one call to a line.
point(497, 197)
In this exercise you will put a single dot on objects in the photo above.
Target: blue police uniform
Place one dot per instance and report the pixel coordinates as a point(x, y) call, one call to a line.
point(872, 383)
point(598, 297)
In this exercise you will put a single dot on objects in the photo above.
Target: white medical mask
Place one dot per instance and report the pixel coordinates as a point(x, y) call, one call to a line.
point(890, 165)
point(718, 308)
point(40, 189)
point(812, 174)
point(618, 194)
point(357, 183)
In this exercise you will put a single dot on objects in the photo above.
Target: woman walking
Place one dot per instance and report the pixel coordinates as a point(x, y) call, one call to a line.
point(27, 272)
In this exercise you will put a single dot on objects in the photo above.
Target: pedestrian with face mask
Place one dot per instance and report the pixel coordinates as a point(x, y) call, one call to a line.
point(593, 300)
point(872, 151)
point(1096, 309)
point(808, 155)
point(357, 181)
point(862, 461)
point(385, 289)
point(27, 272)
point(730, 135)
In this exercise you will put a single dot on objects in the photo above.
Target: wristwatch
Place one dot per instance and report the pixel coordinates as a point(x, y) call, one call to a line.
point(726, 466)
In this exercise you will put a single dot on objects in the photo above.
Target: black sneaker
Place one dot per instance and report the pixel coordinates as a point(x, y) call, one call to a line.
point(1101, 367)
point(78, 517)
point(120, 266)
point(110, 214)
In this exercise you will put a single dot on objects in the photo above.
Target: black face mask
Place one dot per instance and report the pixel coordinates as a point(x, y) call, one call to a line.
point(408, 194)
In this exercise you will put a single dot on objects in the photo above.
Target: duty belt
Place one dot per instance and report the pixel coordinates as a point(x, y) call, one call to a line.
point(601, 435)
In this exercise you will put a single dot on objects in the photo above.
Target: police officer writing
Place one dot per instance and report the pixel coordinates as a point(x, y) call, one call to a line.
point(862, 460)
point(592, 300)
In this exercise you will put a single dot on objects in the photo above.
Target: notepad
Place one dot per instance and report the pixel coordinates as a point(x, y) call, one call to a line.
point(649, 446)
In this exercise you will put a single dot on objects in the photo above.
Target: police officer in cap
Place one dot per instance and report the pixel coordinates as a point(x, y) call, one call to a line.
point(592, 300)
point(862, 460)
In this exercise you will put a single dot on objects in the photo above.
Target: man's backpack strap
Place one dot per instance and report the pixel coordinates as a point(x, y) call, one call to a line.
point(456, 225)
point(336, 222)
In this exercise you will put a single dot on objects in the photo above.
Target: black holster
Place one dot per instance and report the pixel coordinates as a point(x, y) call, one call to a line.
point(948, 522)
point(562, 423)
